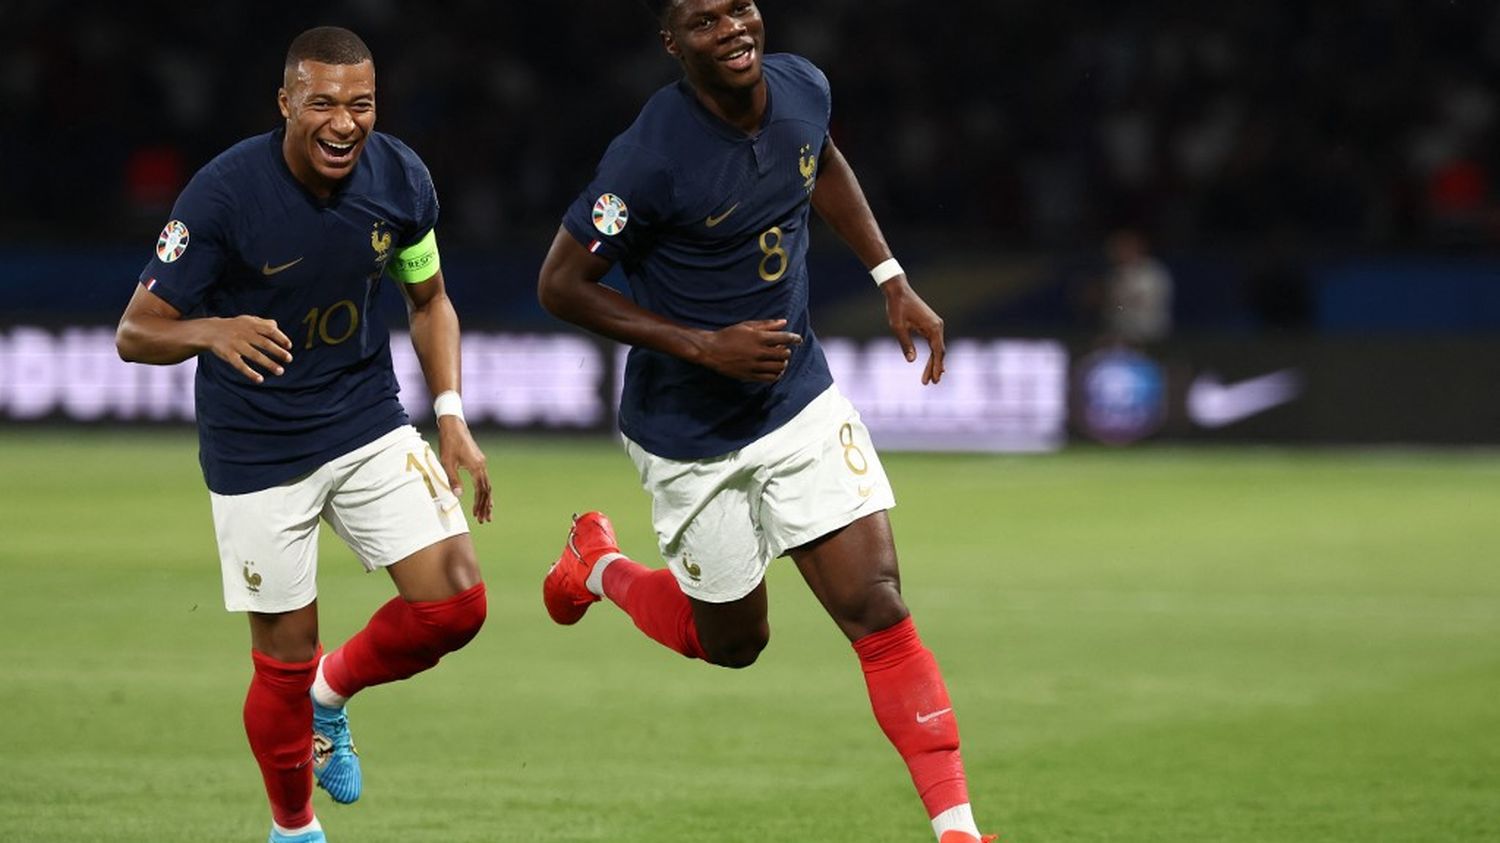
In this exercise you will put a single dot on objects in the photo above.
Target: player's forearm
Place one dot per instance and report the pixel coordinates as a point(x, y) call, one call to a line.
point(435, 338)
point(604, 311)
point(157, 340)
point(841, 202)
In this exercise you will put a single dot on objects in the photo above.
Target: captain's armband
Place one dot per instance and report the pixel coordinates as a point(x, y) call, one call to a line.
point(416, 263)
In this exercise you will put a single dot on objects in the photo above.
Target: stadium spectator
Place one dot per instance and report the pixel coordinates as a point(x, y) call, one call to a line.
point(729, 411)
point(1136, 307)
point(290, 232)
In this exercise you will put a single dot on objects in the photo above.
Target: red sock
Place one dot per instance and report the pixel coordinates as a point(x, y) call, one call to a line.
point(403, 639)
point(652, 598)
point(912, 707)
point(278, 721)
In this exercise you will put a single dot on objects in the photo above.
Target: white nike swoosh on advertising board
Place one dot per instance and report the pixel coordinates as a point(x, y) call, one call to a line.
point(1213, 403)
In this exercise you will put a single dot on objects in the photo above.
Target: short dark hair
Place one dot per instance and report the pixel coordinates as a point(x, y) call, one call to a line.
point(658, 9)
point(329, 45)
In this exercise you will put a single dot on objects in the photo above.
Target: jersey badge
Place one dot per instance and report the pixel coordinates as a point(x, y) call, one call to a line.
point(610, 214)
point(807, 165)
point(380, 241)
point(172, 242)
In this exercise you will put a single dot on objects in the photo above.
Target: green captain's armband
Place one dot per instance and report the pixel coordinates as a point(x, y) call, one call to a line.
point(417, 262)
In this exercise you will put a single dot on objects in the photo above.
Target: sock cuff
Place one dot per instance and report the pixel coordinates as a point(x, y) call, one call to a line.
point(595, 581)
point(891, 644)
point(276, 669)
point(459, 600)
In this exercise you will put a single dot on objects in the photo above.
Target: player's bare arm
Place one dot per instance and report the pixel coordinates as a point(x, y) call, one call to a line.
point(153, 331)
point(435, 337)
point(569, 288)
point(841, 203)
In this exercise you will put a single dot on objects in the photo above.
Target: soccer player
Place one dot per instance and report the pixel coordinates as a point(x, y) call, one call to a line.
point(269, 272)
point(729, 412)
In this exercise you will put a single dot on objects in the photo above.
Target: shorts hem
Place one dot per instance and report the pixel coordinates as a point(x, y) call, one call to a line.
point(419, 545)
point(719, 597)
point(828, 525)
point(293, 605)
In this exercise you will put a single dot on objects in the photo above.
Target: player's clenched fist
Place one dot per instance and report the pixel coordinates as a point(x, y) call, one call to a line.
point(243, 341)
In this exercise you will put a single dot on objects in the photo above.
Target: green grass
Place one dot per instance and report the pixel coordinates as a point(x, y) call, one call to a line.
point(1149, 645)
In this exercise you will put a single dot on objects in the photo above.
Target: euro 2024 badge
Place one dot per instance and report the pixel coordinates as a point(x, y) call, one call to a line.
point(172, 242)
point(610, 214)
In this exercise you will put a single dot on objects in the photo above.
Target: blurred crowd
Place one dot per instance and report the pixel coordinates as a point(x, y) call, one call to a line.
point(1368, 124)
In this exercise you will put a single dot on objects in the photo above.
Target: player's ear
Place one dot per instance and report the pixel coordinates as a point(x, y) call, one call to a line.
point(284, 102)
point(670, 44)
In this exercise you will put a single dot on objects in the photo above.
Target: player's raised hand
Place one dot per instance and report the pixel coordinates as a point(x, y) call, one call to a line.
point(908, 314)
point(758, 350)
point(458, 450)
point(251, 345)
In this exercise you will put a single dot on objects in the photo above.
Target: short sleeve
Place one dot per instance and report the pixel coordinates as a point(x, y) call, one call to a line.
point(193, 247)
point(420, 192)
point(630, 195)
point(826, 90)
point(424, 199)
point(817, 82)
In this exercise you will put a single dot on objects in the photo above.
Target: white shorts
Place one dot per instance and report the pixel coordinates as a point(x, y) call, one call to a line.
point(720, 521)
point(387, 500)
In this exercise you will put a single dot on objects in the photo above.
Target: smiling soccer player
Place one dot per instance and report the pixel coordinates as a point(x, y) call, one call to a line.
point(269, 272)
point(729, 411)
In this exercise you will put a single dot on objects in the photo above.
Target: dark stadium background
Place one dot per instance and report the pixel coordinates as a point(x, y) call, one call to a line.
point(1318, 177)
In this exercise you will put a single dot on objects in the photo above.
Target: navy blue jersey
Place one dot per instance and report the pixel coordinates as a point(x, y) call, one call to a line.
point(710, 227)
point(246, 238)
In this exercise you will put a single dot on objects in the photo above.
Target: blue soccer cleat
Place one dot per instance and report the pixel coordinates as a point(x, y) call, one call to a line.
point(315, 836)
point(335, 761)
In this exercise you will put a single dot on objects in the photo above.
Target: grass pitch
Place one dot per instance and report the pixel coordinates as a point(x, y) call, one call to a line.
point(1148, 645)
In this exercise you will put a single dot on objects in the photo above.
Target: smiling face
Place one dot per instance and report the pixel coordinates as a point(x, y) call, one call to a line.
point(330, 112)
point(719, 42)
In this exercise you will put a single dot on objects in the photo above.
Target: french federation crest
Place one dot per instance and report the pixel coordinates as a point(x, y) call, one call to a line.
point(172, 242)
point(610, 214)
point(807, 165)
point(380, 241)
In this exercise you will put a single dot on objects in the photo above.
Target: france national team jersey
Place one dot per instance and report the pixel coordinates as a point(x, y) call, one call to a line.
point(246, 238)
point(710, 227)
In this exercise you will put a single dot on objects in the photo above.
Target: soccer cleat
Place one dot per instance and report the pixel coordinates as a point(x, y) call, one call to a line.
point(954, 836)
point(564, 590)
point(315, 836)
point(335, 760)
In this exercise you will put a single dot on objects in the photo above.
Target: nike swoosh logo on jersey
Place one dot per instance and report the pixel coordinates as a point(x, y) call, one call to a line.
point(267, 269)
point(715, 220)
point(924, 718)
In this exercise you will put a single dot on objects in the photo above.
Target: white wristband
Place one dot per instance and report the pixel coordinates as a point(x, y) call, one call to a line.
point(886, 270)
point(448, 404)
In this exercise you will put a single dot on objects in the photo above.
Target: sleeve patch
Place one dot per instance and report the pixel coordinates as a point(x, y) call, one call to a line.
point(172, 242)
point(610, 214)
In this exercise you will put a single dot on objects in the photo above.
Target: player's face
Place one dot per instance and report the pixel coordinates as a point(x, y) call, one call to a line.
point(330, 112)
point(719, 41)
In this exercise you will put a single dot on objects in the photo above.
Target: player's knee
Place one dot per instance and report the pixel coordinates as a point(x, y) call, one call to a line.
point(740, 650)
point(871, 610)
point(465, 623)
point(454, 622)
